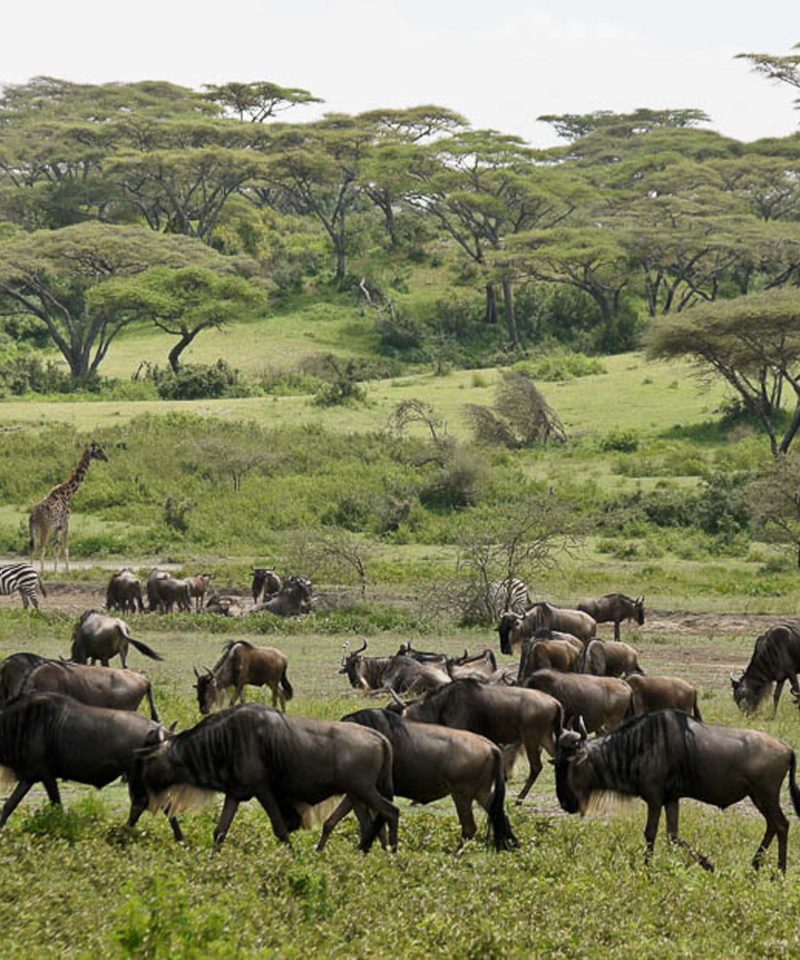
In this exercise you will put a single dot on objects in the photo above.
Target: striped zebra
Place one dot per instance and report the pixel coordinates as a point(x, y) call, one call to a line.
point(23, 578)
point(503, 595)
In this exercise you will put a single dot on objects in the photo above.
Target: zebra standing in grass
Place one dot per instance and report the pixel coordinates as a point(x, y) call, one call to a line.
point(509, 594)
point(23, 578)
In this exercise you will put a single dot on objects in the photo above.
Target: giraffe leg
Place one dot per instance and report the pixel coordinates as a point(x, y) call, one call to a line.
point(66, 548)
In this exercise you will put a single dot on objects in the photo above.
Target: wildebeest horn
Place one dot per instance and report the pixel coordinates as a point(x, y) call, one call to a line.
point(466, 654)
point(582, 728)
point(397, 700)
point(735, 681)
point(196, 672)
point(362, 648)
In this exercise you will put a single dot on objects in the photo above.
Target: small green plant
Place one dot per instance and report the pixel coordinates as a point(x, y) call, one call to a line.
point(623, 441)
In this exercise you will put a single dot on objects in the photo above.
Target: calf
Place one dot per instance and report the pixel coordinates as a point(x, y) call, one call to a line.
point(662, 693)
point(603, 702)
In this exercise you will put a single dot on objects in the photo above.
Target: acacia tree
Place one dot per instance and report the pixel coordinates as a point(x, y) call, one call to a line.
point(785, 69)
point(53, 275)
point(181, 302)
point(257, 101)
point(753, 343)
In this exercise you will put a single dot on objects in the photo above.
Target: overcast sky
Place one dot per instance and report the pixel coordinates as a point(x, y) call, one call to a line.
point(501, 63)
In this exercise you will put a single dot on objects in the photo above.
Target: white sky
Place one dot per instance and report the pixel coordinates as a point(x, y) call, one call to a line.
point(501, 63)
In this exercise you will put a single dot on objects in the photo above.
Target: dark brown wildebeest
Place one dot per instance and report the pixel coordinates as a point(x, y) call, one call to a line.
point(241, 664)
point(266, 583)
point(430, 762)
point(197, 586)
point(667, 755)
point(169, 593)
point(543, 653)
point(97, 686)
point(775, 659)
point(45, 737)
point(287, 763)
point(513, 628)
point(400, 673)
point(603, 702)
point(614, 608)
point(662, 693)
point(609, 658)
point(293, 599)
point(124, 592)
point(504, 714)
point(481, 666)
point(98, 637)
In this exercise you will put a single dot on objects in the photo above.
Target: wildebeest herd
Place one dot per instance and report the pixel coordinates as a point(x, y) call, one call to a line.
point(454, 726)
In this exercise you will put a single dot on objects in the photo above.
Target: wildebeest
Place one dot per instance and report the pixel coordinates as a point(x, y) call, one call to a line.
point(543, 652)
point(609, 658)
point(197, 586)
point(505, 715)
point(124, 592)
point(662, 693)
point(24, 673)
point(482, 666)
point(430, 762)
point(98, 637)
point(287, 763)
point(225, 605)
point(243, 663)
point(266, 583)
point(400, 673)
point(293, 598)
point(45, 737)
point(165, 592)
point(664, 756)
point(775, 659)
point(603, 702)
point(513, 628)
point(614, 608)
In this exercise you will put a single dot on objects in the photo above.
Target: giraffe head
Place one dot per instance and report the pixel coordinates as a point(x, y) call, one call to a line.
point(96, 452)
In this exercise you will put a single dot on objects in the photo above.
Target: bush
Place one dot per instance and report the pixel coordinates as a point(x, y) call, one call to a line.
point(199, 381)
point(27, 373)
point(623, 441)
point(458, 484)
point(560, 365)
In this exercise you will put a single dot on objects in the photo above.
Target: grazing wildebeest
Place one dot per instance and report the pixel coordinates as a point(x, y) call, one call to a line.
point(400, 673)
point(504, 714)
point(197, 586)
point(775, 659)
point(513, 629)
point(662, 693)
point(430, 762)
point(124, 592)
point(664, 756)
point(543, 653)
point(609, 658)
point(98, 637)
point(614, 608)
point(45, 737)
point(293, 598)
point(241, 664)
point(266, 583)
point(165, 592)
point(287, 763)
point(603, 702)
point(97, 686)
point(151, 587)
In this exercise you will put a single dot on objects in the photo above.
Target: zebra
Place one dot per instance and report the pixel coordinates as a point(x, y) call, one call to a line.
point(506, 595)
point(21, 577)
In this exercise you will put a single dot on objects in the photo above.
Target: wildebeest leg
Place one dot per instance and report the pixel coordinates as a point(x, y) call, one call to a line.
point(776, 823)
point(13, 801)
point(671, 810)
point(267, 800)
point(52, 791)
point(226, 818)
point(535, 761)
point(465, 817)
point(616, 629)
point(777, 695)
point(152, 703)
point(651, 828)
point(336, 817)
point(386, 813)
point(176, 829)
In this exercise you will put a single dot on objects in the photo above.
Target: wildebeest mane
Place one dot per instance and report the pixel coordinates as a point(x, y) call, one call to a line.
point(26, 718)
point(387, 722)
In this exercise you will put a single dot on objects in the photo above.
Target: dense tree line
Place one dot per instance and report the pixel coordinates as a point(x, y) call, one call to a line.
point(149, 201)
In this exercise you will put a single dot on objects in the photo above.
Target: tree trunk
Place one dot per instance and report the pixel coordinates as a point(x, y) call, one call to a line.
point(491, 303)
point(511, 319)
point(794, 426)
point(174, 355)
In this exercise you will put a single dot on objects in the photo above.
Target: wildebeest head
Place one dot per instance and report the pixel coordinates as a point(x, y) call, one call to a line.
point(509, 621)
point(352, 664)
point(568, 761)
point(746, 694)
point(209, 692)
point(639, 606)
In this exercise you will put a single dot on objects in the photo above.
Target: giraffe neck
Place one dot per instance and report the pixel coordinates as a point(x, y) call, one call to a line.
point(68, 489)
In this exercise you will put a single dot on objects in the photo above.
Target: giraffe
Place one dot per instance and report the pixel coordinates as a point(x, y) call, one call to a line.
point(51, 515)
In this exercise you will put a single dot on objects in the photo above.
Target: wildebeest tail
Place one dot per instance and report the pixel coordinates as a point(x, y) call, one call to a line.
point(143, 648)
point(385, 786)
point(503, 835)
point(288, 692)
point(794, 790)
point(696, 708)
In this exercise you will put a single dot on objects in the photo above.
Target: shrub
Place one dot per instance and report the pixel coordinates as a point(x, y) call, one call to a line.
point(458, 484)
point(199, 381)
point(27, 373)
point(560, 365)
point(624, 441)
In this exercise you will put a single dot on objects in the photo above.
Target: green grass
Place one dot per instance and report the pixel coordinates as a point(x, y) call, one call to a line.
point(77, 884)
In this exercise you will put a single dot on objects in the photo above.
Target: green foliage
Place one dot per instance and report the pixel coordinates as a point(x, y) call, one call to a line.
point(199, 381)
point(560, 365)
point(624, 441)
